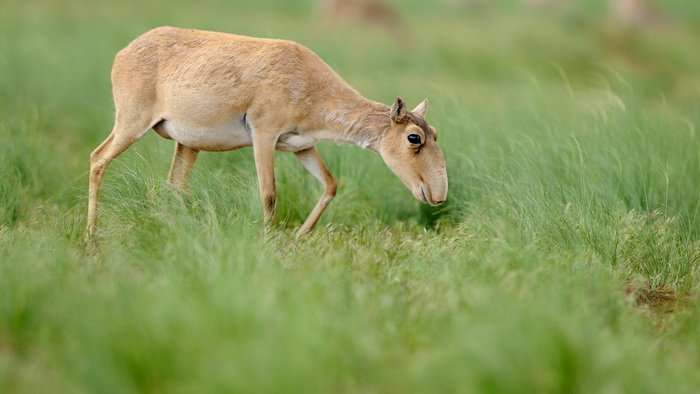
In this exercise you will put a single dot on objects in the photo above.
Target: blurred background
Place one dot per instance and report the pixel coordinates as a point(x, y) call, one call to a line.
point(479, 62)
point(566, 258)
point(652, 45)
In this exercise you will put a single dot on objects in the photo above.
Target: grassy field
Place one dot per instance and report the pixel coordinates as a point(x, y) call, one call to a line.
point(566, 259)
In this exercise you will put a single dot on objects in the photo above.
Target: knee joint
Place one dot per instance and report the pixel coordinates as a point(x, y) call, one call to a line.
point(331, 189)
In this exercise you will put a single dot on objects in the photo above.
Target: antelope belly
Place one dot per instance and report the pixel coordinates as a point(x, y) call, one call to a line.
point(228, 136)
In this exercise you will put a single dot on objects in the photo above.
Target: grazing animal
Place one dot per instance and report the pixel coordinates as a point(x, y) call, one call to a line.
point(637, 14)
point(371, 12)
point(213, 91)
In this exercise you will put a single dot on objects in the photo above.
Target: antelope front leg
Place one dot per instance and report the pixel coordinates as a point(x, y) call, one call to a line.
point(311, 160)
point(264, 153)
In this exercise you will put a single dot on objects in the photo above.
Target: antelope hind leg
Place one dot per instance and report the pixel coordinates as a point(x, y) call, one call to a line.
point(264, 154)
point(100, 158)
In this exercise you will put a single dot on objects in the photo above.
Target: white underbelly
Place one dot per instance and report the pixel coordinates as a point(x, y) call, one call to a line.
point(293, 142)
point(227, 136)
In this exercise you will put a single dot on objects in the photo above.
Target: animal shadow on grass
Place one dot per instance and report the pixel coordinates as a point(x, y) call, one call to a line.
point(430, 216)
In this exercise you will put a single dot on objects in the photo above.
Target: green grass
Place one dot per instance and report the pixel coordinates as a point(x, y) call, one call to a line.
point(566, 259)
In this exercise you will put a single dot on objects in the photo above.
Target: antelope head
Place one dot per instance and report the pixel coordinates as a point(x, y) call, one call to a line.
point(409, 148)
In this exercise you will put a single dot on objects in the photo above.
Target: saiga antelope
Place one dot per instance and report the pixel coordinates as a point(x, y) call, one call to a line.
point(372, 12)
point(637, 13)
point(217, 92)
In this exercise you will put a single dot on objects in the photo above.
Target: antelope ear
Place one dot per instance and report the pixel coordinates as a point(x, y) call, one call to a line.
point(421, 109)
point(398, 110)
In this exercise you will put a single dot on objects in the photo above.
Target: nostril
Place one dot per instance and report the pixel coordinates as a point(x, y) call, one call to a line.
point(439, 202)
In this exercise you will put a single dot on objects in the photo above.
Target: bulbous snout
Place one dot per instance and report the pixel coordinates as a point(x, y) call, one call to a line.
point(433, 188)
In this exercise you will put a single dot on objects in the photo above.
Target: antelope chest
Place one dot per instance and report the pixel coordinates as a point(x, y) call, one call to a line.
point(293, 142)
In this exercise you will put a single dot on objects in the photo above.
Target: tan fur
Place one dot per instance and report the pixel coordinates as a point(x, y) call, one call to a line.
point(372, 12)
point(637, 13)
point(217, 92)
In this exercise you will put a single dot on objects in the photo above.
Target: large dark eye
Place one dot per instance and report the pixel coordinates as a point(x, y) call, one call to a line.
point(414, 139)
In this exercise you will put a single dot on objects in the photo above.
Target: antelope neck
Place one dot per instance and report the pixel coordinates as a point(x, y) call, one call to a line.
point(360, 122)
